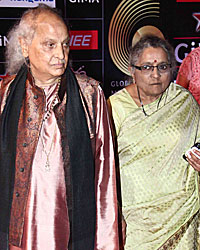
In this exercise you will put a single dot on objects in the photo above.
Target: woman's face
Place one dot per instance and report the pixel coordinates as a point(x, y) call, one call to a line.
point(153, 82)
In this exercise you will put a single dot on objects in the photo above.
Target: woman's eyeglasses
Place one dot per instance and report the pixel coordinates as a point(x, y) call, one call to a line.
point(147, 69)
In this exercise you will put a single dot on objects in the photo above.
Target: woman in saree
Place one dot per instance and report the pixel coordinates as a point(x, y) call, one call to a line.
point(156, 121)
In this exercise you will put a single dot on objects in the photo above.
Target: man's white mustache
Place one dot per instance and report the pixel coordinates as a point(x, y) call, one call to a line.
point(63, 61)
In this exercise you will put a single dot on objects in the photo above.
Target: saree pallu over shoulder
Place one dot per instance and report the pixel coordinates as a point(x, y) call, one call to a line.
point(160, 190)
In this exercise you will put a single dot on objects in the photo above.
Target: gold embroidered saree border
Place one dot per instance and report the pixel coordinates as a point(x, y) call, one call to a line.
point(174, 240)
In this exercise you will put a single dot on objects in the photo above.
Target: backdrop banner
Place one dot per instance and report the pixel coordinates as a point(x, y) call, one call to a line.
point(102, 32)
point(26, 3)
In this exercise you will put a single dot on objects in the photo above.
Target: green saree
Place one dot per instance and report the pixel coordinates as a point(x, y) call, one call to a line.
point(160, 190)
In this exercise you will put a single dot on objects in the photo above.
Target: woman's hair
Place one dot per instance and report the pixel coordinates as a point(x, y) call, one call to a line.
point(155, 42)
point(24, 29)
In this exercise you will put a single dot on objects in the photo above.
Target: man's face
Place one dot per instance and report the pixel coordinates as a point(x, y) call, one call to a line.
point(49, 49)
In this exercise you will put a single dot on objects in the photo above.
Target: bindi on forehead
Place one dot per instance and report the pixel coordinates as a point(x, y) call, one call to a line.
point(155, 61)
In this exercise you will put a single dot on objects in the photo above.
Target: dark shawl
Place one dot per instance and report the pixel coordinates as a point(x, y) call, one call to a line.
point(81, 160)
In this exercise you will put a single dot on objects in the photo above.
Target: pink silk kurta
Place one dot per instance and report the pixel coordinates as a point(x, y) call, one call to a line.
point(106, 198)
point(46, 224)
point(53, 186)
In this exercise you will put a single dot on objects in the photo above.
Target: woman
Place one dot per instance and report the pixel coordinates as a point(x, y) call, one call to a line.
point(189, 73)
point(156, 122)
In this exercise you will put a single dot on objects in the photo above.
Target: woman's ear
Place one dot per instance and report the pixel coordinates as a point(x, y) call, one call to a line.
point(24, 46)
point(132, 70)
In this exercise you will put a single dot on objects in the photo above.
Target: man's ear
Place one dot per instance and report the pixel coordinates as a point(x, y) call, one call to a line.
point(24, 46)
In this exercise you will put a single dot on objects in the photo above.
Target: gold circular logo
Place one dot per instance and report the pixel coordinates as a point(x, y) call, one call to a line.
point(122, 26)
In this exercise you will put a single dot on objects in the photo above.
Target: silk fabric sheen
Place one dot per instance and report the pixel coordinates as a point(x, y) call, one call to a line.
point(46, 223)
point(106, 203)
point(83, 219)
point(160, 190)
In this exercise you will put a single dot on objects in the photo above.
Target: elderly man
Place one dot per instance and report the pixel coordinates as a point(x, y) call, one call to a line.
point(57, 176)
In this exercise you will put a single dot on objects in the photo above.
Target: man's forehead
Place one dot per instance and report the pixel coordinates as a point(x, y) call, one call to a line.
point(49, 19)
point(50, 26)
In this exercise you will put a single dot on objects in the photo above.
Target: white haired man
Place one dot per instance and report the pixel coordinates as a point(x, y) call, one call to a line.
point(57, 176)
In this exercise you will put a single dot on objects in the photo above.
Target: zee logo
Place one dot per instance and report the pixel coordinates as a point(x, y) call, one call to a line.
point(83, 39)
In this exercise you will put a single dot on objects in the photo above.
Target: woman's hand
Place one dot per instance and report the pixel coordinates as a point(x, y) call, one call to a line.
point(193, 157)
